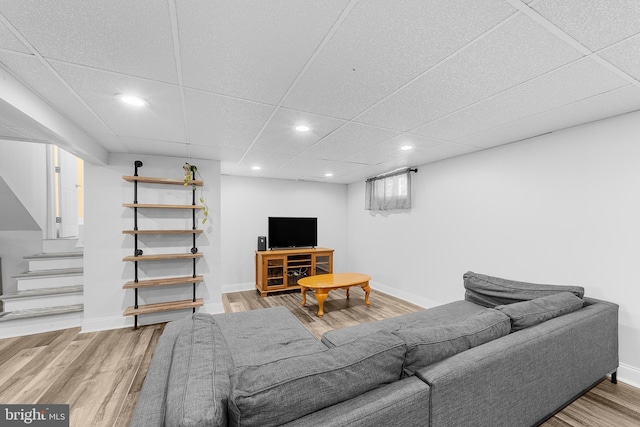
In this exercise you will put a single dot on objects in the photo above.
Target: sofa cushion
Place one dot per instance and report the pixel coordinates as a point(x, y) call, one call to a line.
point(491, 291)
point(259, 336)
point(199, 384)
point(528, 313)
point(430, 344)
point(281, 391)
point(452, 312)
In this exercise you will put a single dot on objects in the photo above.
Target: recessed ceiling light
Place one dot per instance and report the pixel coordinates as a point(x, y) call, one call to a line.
point(134, 100)
point(256, 168)
point(328, 174)
point(406, 147)
point(302, 128)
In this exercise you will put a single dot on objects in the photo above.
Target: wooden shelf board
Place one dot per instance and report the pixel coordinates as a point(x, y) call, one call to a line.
point(152, 180)
point(160, 206)
point(160, 257)
point(197, 231)
point(150, 283)
point(164, 306)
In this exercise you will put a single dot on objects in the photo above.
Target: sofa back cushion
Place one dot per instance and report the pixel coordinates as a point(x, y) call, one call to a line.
point(199, 384)
point(429, 344)
point(529, 313)
point(275, 393)
point(490, 291)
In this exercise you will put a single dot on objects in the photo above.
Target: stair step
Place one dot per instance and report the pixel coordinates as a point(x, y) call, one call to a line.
point(55, 261)
point(40, 312)
point(55, 255)
point(52, 272)
point(43, 298)
point(30, 293)
point(164, 306)
point(49, 278)
point(60, 245)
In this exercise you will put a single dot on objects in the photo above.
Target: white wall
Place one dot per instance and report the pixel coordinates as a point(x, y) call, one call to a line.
point(105, 245)
point(248, 202)
point(562, 208)
point(23, 166)
point(24, 169)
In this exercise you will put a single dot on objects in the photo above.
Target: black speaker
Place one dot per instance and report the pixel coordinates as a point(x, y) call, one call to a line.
point(262, 243)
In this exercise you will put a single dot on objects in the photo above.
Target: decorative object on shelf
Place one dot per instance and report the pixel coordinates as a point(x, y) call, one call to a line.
point(189, 176)
point(138, 256)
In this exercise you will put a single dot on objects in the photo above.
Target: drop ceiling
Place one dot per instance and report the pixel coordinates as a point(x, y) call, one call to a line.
point(230, 80)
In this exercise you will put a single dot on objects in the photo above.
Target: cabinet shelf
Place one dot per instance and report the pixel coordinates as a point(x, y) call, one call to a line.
point(151, 283)
point(161, 257)
point(160, 206)
point(163, 306)
point(197, 231)
point(169, 181)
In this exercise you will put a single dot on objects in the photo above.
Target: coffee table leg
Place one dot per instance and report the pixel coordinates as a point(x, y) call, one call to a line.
point(366, 290)
point(321, 295)
point(347, 293)
point(303, 291)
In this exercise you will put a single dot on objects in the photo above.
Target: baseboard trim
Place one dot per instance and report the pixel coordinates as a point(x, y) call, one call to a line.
point(238, 287)
point(119, 322)
point(406, 296)
point(629, 375)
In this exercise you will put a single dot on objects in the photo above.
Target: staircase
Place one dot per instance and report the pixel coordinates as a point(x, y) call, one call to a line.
point(49, 295)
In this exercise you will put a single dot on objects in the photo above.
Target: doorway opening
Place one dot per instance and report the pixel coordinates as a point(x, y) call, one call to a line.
point(66, 202)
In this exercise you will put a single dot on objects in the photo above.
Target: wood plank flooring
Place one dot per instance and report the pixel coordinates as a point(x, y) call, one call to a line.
point(100, 374)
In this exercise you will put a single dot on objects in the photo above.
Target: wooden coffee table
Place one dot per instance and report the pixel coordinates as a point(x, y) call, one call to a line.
point(323, 283)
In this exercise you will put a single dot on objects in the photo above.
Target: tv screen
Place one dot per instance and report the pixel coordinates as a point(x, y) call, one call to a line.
point(289, 232)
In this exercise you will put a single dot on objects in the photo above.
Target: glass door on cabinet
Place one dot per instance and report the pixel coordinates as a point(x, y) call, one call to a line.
point(275, 272)
point(323, 264)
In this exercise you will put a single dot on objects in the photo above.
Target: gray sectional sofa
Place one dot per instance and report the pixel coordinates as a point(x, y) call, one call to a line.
point(509, 354)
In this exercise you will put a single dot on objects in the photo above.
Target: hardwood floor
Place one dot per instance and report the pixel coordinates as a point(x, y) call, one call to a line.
point(100, 374)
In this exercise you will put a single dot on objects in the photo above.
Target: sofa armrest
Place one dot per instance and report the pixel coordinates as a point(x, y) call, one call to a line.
point(401, 403)
point(151, 406)
point(524, 377)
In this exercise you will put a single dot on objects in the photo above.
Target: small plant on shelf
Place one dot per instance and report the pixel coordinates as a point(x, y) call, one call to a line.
point(190, 172)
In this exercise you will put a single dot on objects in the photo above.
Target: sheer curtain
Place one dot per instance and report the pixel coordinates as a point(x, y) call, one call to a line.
point(389, 192)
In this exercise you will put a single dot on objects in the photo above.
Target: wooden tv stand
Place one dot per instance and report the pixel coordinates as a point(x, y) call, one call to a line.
point(280, 269)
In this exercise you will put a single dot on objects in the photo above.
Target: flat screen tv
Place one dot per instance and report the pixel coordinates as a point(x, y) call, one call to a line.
point(291, 232)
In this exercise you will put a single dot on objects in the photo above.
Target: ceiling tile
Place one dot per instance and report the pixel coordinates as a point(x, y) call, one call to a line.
point(579, 80)
point(130, 37)
point(381, 45)
point(594, 23)
point(10, 42)
point(215, 153)
point(350, 139)
point(160, 120)
point(440, 152)
point(111, 142)
point(37, 76)
point(268, 162)
point(618, 101)
point(625, 56)
point(305, 167)
point(516, 52)
point(281, 137)
point(160, 148)
point(391, 149)
point(251, 49)
point(222, 121)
